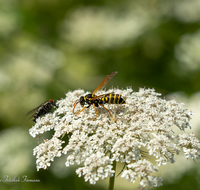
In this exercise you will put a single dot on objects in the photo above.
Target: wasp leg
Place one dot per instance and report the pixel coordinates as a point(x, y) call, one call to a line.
point(95, 111)
point(108, 112)
point(80, 111)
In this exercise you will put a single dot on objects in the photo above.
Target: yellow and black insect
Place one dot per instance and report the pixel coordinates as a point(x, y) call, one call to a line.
point(92, 99)
point(42, 109)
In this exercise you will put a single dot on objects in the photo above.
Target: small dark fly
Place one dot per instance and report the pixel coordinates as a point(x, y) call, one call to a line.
point(42, 109)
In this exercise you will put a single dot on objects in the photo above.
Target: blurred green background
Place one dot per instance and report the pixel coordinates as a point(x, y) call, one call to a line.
point(48, 47)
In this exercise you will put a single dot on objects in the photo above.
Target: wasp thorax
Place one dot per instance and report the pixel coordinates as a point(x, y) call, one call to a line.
point(82, 101)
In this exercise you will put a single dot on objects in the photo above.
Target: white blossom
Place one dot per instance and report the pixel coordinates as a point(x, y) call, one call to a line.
point(146, 125)
point(47, 151)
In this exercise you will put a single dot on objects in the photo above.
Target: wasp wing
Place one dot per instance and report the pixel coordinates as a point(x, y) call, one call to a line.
point(105, 80)
point(102, 95)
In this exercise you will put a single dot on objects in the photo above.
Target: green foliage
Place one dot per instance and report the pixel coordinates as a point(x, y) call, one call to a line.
point(48, 47)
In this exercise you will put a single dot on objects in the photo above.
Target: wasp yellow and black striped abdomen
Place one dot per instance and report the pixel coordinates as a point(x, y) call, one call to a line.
point(113, 99)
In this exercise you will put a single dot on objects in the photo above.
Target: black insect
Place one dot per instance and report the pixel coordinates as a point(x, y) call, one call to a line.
point(42, 109)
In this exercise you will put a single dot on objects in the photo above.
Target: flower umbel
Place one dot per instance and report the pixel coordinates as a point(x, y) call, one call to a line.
point(147, 122)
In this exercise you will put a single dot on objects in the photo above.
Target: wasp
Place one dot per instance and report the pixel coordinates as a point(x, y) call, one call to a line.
point(42, 109)
point(92, 99)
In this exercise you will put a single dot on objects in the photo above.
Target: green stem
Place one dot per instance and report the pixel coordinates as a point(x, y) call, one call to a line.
point(112, 179)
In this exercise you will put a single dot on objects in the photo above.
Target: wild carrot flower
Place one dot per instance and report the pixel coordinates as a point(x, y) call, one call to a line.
point(146, 124)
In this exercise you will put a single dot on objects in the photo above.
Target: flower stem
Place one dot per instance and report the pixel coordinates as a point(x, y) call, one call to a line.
point(112, 179)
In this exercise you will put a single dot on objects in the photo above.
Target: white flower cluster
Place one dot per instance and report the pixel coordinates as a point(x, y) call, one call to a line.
point(145, 125)
point(47, 151)
point(97, 165)
point(142, 169)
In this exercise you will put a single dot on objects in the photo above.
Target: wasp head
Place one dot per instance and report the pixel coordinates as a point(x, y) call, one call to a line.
point(82, 101)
